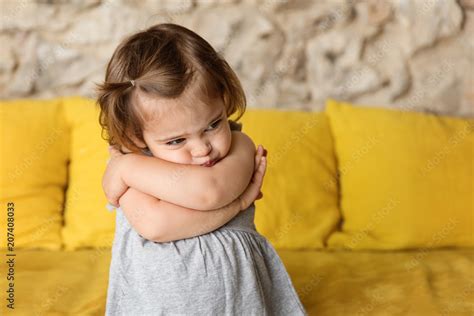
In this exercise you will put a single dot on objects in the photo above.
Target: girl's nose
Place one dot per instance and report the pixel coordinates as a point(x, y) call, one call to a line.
point(201, 149)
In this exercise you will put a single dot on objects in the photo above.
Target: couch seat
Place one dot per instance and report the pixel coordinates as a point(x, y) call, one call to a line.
point(329, 282)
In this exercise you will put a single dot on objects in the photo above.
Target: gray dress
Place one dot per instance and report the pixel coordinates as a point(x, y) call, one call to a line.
point(230, 271)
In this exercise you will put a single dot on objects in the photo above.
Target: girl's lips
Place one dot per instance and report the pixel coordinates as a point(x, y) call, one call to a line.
point(210, 163)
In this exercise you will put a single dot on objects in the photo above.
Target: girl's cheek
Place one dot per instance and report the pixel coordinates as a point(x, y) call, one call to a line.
point(225, 143)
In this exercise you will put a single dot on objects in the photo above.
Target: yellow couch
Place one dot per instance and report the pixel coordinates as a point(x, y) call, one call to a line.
point(370, 209)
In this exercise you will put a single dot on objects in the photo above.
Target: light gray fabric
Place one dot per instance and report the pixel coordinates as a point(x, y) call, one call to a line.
point(231, 271)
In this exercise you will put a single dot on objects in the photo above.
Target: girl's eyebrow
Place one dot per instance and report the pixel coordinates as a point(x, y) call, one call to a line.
point(170, 138)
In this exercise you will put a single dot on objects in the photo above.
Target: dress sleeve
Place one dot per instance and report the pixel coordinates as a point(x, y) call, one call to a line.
point(110, 207)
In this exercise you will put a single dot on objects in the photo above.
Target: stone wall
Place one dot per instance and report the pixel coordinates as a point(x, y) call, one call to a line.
point(411, 54)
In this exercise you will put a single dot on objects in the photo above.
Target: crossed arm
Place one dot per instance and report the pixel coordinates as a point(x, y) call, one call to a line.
point(167, 201)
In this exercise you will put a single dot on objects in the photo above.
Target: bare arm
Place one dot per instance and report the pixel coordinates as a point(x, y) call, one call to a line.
point(239, 167)
point(192, 186)
point(161, 221)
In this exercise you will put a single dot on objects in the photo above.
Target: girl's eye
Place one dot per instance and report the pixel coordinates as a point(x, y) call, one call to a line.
point(215, 124)
point(179, 140)
point(175, 141)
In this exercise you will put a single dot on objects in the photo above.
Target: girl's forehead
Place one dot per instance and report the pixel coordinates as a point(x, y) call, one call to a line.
point(166, 117)
point(193, 101)
point(155, 108)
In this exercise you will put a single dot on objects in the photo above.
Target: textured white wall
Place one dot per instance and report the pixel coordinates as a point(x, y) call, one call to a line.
point(412, 54)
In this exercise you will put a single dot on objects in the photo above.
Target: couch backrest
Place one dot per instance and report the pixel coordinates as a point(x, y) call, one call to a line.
point(405, 178)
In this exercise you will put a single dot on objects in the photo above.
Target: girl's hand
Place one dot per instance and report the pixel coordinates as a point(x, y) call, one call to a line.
point(252, 192)
point(112, 182)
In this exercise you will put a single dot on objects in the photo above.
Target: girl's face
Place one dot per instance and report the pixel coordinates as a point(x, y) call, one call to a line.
point(187, 130)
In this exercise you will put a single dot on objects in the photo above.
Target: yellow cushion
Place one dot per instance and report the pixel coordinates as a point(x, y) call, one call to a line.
point(299, 208)
point(87, 222)
point(406, 178)
point(33, 167)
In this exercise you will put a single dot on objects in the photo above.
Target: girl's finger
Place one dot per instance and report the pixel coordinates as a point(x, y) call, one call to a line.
point(258, 175)
point(258, 156)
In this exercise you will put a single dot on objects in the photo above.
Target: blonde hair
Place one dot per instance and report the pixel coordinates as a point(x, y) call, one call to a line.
point(161, 61)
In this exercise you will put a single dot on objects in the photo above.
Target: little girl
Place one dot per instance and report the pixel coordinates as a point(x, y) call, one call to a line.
point(185, 241)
